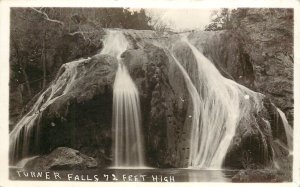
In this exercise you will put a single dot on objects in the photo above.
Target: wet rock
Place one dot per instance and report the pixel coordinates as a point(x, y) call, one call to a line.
point(164, 104)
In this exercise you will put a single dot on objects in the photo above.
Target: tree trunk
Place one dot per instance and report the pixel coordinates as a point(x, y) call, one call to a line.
point(43, 59)
point(27, 85)
point(21, 62)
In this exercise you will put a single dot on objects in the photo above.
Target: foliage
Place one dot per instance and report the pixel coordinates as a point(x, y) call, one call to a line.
point(157, 23)
point(221, 20)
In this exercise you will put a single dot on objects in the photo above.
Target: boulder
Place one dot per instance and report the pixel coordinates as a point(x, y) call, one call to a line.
point(62, 158)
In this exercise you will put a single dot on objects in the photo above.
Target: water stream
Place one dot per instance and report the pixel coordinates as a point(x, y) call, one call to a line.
point(128, 148)
point(223, 104)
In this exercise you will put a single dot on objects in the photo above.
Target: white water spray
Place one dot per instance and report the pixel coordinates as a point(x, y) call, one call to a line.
point(127, 138)
point(24, 138)
point(223, 104)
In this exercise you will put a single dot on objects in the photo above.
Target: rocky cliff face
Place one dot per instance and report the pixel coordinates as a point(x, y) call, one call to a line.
point(257, 52)
point(268, 39)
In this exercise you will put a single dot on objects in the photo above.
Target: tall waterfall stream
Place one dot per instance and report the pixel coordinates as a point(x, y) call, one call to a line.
point(128, 138)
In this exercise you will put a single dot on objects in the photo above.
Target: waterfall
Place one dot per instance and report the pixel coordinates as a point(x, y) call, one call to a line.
point(196, 106)
point(288, 130)
point(219, 104)
point(24, 138)
point(128, 148)
point(222, 105)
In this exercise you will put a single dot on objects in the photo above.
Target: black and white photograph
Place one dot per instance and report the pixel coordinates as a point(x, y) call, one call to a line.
point(127, 94)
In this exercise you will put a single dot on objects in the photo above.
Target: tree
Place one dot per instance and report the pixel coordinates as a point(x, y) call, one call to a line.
point(157, 23)
point(221, 20)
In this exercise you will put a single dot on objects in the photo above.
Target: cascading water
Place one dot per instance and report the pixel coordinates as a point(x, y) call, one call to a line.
point(219, 104)
point(127, 138)
point(196, 105)
point(24, 138)
point(288, 131)
point(222, 104)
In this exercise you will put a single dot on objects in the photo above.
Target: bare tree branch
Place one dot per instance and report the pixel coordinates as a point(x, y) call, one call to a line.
point(82, 33)
point(79, 32)
point(46, 17)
